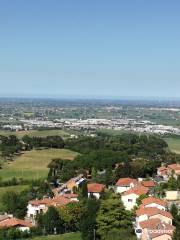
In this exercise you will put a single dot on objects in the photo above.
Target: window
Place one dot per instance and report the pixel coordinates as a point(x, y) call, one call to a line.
point(130, 200)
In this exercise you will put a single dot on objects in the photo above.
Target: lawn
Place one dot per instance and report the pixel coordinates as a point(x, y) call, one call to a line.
point(33, 164)
point(67, 236)
point(18, 188)
point(36, 133)
point(174, 144)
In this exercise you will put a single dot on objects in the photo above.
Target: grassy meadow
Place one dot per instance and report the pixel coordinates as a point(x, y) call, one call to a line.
point(67, 236)
point(33, 164)
point(174, 144)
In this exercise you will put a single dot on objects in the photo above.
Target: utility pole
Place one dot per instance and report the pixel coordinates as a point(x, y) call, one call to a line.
point(94, 231)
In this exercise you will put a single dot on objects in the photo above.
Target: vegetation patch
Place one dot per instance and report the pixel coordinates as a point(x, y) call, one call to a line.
point(17, 189)
point(67, 236)
point(174, 144)
point(36, 133)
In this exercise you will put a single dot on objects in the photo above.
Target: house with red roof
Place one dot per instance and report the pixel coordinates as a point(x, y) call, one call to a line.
point(162, 172)
point(124, 184)
point(143, 214)
point(36, 207)
point(170, 170)
point(173, 170)
point(95, 189)
point(22, 225)
point(154, 229)
point(150, 184)
point(130, 197)
point(154, 202)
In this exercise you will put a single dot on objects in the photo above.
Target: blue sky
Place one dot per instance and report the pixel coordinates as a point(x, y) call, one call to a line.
point(101, 48)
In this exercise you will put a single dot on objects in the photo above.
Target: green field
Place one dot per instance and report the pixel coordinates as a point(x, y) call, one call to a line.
point(67, 236)
point(174, 144)
point(36, 133)
point(33, 164)
point(18, 188)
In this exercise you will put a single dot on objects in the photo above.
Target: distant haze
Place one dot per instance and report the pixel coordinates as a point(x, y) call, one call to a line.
point(90, 49)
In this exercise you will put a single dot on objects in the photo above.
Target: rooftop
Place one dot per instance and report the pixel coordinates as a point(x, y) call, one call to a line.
point(13, 222)
point(125, 181)
point(139, 190)
point(95, 187)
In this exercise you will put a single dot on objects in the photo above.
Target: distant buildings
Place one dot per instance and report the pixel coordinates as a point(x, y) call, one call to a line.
point(170, 170)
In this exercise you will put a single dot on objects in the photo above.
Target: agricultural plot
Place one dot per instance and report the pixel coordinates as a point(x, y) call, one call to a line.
point(33, 164)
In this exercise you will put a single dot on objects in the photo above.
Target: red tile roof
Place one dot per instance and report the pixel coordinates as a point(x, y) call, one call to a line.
point(150, 200)
point(155, 224)
point(162, 229)
point(126, 181)
point(148, 183)
point(95, 188)
point(60, 201)
point(162, 169)
point(70, 195)
point(175, 166)
point(139, 190)
point(57, 201)
point(152, 211)
point(150, 223)
point(14, 222)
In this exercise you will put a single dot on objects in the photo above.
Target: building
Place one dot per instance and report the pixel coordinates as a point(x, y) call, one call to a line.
point(5, 217)
point(130, 197)
point(172, 195)
point(124, 184)
point(173, 170)
point(69, 186)
point(75, 182)
point(154, 202)
point(154, 229)
point(170, 170)
point(36, 207)
point(150, 184)
point(22, 225)
point(162, 171)
point(95, 189)
point(144, 214)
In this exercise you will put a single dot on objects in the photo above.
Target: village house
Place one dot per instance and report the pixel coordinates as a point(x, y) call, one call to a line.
point(124, 184)
point(144, 214)
point(130, 197)
point(95, 190)
point(154, 229)
point(172, 195)
point(162, 172)
point(150, 184)
point(170, 170)
point(154, 202)
point(69, 186)
point(5, 217)
point(75, 182)
point(22, 225)
point(36, 207)
point(173, 170)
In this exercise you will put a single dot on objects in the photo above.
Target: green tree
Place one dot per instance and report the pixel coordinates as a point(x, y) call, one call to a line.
point(15, 203)
point(51, 221)
point(71, 215)
point(140, 198)
point(88, 220)
point(83, 190)
point(112, 215)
